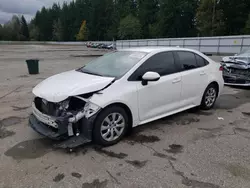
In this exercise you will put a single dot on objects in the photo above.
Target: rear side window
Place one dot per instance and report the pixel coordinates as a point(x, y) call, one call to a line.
point(201, 62)
point(162, 63)
point(187, 60)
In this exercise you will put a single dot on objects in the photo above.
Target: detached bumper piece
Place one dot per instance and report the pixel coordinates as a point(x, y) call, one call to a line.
point(61, 134)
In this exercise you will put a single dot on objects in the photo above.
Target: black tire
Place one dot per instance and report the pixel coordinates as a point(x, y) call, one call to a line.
point(97, 137)
point(204, 105)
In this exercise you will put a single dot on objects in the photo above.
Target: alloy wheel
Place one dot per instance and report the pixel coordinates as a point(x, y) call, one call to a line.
point(112, 127)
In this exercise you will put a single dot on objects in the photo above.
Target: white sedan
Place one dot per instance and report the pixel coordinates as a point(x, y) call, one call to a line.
point(102, 100)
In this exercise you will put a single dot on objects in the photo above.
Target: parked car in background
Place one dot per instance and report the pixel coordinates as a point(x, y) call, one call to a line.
point(110, 47)
point(102, 100)
point(236, 69)
point(102, 46)
point(89, 44)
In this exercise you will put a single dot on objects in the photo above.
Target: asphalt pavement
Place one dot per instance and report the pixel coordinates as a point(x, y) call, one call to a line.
point(197, 149)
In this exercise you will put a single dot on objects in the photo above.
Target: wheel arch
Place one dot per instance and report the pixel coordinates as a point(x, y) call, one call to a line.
point(211, 83)
point(127, 110)
point(217, 86)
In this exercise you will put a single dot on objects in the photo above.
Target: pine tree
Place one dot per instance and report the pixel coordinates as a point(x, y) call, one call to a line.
point(177, 18)
point(247, 26)
point(12, 29)
point(147, 14)
point(210, 20)
point(130, 28)
point(1, 32)
point(235, 15)
point(83, 32)
point(24, 30)
point(152, 18)
point(57, 30)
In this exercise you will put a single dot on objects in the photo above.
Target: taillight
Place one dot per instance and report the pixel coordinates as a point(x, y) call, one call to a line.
point(221, 68)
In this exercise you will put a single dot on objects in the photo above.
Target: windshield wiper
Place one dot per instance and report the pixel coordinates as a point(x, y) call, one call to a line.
point(88, 72)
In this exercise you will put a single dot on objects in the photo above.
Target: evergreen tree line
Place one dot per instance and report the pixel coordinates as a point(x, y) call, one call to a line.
point(131, 19)
point(15, 30)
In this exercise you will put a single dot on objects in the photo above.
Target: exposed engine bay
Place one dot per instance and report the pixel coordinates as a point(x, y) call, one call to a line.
point(236, 69)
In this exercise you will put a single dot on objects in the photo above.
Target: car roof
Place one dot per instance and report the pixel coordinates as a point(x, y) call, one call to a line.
point(156, 49)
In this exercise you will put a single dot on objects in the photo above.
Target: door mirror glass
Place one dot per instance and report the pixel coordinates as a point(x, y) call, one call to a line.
point(150, 77)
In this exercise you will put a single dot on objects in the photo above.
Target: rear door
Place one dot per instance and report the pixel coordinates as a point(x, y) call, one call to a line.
point(194, 77)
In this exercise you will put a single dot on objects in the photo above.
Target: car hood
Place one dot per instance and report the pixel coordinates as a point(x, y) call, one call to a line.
point(61, 86)
point(237, 59)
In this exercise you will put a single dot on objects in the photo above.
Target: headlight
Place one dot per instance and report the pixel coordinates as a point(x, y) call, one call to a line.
point(91, 109)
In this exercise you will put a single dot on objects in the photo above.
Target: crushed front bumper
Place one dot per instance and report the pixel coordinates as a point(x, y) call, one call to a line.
point(236, 80)
point(48, 131)
point(236, 74)
point(61, 133)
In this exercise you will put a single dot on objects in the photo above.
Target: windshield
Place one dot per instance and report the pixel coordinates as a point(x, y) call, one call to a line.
point(114, 64)
point(245, 52)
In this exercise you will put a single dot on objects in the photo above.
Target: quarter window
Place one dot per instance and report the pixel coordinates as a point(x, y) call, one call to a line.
point(187, 60)
point(201, 62)
point(162, 63)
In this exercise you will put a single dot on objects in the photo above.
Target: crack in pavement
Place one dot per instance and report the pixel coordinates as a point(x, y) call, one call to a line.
point(14, 90)
point(185, 180)
point(235, 129)
point(191, 182)
point(158, 154)
point(114, 179)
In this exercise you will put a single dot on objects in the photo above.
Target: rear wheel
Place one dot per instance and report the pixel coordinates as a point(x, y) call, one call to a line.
point(209, 97)
point(110, 126)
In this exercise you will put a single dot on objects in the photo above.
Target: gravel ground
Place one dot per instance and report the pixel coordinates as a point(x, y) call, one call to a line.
point(191, 149)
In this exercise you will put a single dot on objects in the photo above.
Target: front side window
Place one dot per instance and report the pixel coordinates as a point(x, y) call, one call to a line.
point(115, 64)
point(162, 63)
point(187, 60)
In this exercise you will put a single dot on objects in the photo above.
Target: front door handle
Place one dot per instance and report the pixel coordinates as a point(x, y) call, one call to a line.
point(176, 80)
point(202, 73)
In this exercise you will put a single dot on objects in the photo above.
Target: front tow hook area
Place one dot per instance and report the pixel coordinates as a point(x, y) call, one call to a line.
point(73, 142)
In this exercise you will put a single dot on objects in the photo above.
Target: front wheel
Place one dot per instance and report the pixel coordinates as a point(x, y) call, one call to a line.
point(110, 126)
point(209, 97)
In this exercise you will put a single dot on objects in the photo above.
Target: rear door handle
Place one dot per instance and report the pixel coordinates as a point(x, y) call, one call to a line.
point(202, 73)
point(176, 80)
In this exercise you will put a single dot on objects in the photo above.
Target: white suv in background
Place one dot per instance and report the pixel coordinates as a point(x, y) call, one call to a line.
point(120, 90)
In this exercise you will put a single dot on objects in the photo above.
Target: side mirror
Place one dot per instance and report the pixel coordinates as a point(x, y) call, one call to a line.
point(150, 77)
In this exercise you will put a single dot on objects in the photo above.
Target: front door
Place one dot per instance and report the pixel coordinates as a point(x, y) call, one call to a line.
point(158, 97)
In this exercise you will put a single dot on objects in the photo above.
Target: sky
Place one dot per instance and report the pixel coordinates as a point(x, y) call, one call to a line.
point(28, 8)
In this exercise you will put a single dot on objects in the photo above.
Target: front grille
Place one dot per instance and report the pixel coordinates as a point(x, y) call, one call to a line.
point(45, 107)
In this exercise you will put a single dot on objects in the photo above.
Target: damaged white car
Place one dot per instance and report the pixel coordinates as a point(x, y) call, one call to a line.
point(237, 69)
point(120, 90)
